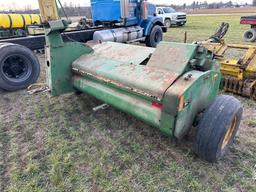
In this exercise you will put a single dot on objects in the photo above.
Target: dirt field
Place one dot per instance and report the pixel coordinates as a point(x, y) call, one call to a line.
point(60, 144)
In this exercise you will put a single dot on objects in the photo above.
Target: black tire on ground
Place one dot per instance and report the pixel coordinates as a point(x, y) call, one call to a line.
point(167, 23)
point(156, 35)
point(250, 35)
point(217, 128)
point(19, 67)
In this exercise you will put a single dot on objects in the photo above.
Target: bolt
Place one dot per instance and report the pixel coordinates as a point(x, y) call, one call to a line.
point(189, 76)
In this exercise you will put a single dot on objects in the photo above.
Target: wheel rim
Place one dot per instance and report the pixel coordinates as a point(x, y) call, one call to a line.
point(249, 35)
point(16, 68)
point(229, 133)
point(167, 23)
point(157, 37)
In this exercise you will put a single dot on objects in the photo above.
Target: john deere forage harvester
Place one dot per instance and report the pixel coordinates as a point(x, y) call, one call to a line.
point(171, 92)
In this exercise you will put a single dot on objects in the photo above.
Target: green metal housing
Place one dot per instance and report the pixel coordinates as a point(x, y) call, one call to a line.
point(166, 87)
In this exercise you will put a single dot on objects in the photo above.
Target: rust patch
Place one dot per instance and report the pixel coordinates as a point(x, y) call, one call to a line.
point(117, 84)
point(169, 58)
point(22, 151)
point(118, 64)
point(134, 81)
point(121, 52)
point(40, 141)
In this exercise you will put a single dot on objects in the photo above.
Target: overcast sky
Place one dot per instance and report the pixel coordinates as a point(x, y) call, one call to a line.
point(18, 4)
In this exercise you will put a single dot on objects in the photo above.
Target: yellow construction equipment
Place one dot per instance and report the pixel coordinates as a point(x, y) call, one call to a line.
point(238, 70)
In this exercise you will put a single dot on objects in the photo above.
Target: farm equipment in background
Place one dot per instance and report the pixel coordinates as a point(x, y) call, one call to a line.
point(249, 35)
point(16, 25)
point(24, 25)
point(164, 92)
point(239, 71)
point(117, 21)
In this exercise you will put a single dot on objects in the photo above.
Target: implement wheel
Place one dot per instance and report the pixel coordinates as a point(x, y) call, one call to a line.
point(250, 35)
point(217, 128)
point(19, 67)
point(156, 35)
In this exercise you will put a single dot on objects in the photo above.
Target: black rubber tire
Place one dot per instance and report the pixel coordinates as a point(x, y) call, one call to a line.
point(250, 35)
point(156, 35)
point(213, 128)
point(26, 57)
point(168, 23)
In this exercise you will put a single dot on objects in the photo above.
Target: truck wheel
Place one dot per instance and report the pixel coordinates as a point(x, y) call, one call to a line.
point(217, 128)
point(167, 23)
point(156, 35)
point(19, 67)
point(250, 35)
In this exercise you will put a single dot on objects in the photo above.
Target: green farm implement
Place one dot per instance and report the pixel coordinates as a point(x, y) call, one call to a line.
point(172, 91)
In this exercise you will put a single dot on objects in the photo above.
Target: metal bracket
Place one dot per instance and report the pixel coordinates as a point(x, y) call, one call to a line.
point(58, 25)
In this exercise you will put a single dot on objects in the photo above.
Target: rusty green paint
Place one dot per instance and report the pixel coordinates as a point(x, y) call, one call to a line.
point(59, 58)
point(199, 91)
point(173, 57)
point(119, 75)
point(151, 83)
point(124, 53)
point(144, 80)
point(121, 99)
point(149, 80)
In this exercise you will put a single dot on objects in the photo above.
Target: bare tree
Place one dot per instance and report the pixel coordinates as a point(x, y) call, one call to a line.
point(27, 8)
point(13, 7)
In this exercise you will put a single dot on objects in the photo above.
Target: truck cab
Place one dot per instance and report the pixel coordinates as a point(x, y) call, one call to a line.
point(129, 20)
point(171, 17)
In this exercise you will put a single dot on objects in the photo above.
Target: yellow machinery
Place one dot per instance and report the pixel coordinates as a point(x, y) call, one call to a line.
point(239, 68)
point(18, 21)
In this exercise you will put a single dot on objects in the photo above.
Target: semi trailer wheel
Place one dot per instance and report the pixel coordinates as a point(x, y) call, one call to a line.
point(19, 67)
point(156, 35)
point(250, 35)
point(217, 128)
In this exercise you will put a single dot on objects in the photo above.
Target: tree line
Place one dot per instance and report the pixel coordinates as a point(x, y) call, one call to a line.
point(216, 5)
point(72, 9)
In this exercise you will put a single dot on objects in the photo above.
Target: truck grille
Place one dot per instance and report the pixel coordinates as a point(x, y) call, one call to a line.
point(181, 17)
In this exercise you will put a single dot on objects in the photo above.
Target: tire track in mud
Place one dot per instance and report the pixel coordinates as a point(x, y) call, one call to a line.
point(39, 132)
point(22, 148)
point(7, 114)
point(23, 132)
point(6, 108)
point(4, 157)
point(16, 136)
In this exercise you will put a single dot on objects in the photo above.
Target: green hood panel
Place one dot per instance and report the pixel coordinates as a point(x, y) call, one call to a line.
point(122, 70)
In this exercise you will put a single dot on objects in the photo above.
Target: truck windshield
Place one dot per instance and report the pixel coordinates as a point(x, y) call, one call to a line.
point(169, 10)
